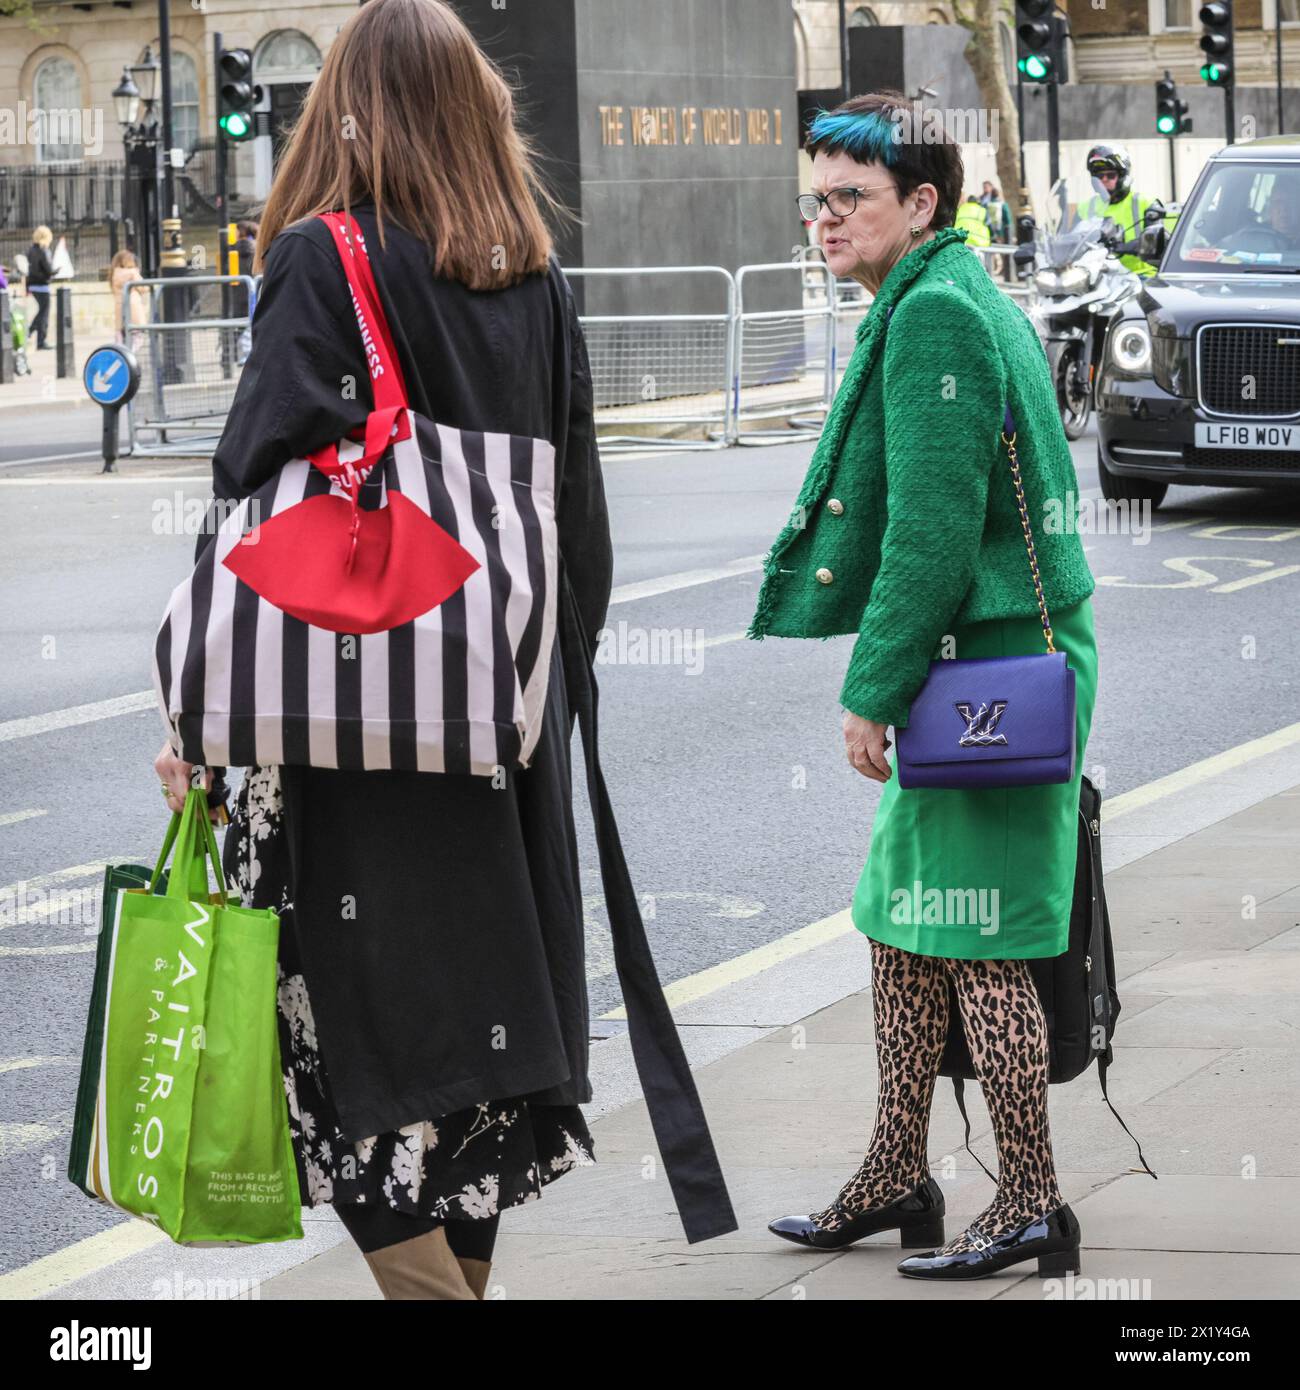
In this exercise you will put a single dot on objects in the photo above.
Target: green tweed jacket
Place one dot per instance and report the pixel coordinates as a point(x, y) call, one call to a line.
point(907, 521)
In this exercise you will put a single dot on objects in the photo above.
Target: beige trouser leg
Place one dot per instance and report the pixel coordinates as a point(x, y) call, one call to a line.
point(424, 1267)
point(476, 1274)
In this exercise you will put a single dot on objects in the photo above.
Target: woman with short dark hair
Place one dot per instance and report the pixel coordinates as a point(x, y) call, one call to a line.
point(907, 532)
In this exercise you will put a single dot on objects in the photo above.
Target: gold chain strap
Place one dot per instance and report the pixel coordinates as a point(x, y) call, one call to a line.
point(1029, 538)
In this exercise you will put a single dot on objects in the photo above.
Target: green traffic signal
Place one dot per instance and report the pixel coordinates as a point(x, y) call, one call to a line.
point(237, 95)
point(1167, 125)
point(1035, 67)
point(236, 125)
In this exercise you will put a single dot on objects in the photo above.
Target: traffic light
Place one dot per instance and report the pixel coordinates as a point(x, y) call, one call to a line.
point(1171, 114)
point(1034, 39)
point(238, 95)
point(1040, 41)
point(1216, 43)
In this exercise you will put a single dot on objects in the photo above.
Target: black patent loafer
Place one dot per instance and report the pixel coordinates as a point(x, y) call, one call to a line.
point(1052, 1239)
point(917, 1216)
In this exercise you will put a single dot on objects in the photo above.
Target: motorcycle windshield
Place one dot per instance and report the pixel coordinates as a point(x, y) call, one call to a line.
point(1067, 247)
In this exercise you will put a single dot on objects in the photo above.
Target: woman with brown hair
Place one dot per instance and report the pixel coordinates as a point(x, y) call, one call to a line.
point(433, 999)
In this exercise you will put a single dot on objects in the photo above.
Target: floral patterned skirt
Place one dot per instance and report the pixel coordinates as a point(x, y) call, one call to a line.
point(472, 1163)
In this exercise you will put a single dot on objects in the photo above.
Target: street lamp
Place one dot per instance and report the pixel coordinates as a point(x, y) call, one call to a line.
point(145, 73)
point(133, 101)
point(126, 99)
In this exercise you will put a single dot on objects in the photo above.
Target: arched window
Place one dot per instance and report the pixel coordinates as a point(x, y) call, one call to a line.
point(862, 18)
point(185, 97)
point(56, 95)
point(286, 56)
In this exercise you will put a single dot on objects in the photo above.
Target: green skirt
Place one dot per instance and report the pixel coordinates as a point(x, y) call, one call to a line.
point(988, 874)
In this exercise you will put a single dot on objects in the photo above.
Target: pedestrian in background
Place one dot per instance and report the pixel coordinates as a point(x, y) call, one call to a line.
point(972, 218)
point(907, 533)
point(998, 212)
point(40, 271)
point(243, 300)
point(124, 270)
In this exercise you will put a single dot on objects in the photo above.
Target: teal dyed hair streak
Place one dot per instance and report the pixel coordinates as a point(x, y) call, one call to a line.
point(866, 136)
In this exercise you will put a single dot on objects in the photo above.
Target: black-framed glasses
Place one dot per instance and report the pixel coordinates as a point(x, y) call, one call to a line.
point(842, 202)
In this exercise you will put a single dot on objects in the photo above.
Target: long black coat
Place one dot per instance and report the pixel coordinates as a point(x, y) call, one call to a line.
point(458, 971)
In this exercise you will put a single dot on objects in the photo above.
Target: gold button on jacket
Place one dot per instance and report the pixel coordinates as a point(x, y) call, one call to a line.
point(824, 576)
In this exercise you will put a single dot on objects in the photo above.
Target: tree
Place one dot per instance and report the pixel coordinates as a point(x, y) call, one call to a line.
point(984, 54)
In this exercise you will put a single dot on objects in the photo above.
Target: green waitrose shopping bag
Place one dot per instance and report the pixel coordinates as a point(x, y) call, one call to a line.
point(181, 1114)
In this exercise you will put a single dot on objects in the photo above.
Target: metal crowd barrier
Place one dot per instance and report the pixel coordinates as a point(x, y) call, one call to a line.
point(662, 369)
point(784, 358)
point(190, 351)
point(730, 373)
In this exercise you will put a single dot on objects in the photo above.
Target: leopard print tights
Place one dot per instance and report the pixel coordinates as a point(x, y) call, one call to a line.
point(1007, 1035)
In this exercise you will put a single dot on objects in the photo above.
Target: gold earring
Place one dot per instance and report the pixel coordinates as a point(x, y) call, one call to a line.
point(916, 231)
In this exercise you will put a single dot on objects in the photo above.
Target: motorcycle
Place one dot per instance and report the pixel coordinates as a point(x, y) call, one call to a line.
point(1081, 286)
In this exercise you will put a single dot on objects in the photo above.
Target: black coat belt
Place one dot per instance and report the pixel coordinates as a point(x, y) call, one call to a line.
point(676, 1114)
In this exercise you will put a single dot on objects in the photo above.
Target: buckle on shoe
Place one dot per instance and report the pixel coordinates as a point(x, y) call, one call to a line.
point(977, 1238)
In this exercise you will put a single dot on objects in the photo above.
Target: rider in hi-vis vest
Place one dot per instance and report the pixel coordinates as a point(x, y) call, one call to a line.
point(1112, 177)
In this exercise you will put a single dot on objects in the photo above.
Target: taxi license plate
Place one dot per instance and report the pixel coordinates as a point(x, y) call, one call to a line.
point(1259, 435)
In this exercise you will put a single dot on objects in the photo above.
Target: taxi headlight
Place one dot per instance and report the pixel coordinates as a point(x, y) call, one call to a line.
point(1130, 347)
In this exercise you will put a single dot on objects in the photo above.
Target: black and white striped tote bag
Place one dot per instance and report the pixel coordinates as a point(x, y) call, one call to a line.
point(384, 603)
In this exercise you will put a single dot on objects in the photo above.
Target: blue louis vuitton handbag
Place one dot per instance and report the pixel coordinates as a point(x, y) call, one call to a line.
point(1001, 721)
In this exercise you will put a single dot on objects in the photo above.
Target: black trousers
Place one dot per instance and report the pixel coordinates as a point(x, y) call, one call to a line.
point(41, 323)
point(374, 1227)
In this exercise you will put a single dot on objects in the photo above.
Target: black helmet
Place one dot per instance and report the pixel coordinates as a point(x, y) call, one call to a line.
point(1111, 159)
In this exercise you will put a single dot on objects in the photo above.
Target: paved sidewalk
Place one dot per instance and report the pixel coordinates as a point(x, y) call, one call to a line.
point(1206, 1075)
point(41, 389)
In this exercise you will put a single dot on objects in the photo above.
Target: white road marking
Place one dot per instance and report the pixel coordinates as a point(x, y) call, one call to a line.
point(685, 579)
point(143, 699)
point(14, 817)
point(17, 1138)
point(26, 1063)
point(82, 949)
point(103, 479)
point(76, 714)
point(12, 915)
point(53, 458)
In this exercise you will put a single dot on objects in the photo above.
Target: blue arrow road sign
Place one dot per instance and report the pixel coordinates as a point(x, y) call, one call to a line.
point(110, 375)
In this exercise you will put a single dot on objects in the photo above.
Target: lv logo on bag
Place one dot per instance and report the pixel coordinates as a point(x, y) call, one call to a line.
point(981, 724)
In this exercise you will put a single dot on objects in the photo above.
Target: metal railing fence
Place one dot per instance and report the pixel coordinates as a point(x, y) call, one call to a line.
point(784, 358)
point(190, 349)
point(755, 357)
point(662, 369)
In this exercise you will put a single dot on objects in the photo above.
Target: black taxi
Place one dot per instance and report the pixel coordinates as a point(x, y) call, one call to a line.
point(1200, 377)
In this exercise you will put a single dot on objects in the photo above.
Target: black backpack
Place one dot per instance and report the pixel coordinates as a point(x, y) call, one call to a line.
point(1077, 988)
